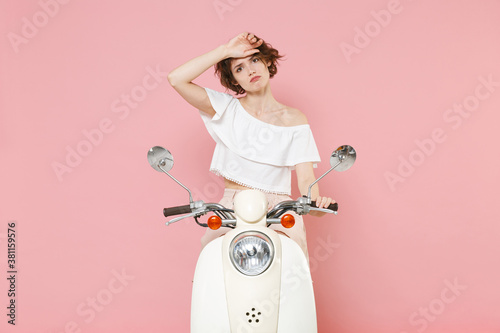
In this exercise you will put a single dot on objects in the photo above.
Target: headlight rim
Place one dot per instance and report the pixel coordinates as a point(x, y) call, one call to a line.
point(245, 234)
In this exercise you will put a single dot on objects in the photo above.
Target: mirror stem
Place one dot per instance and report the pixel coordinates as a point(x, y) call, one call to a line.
point(178, 182)
point(317, 180)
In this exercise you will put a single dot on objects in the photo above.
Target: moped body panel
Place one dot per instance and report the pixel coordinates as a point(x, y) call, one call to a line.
point(209, 309)
point(225, 300)
point(280, 299)
point(297, 305)
point(253, 301)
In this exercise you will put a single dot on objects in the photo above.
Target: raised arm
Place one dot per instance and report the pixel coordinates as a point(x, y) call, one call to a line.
point(181, 78)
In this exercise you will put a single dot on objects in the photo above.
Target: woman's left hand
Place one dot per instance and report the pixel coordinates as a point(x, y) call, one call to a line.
point(321, 202)
point(324, 202)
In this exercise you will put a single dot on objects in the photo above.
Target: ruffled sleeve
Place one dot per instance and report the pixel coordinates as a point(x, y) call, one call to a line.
point(303, 148)
point(220, 102)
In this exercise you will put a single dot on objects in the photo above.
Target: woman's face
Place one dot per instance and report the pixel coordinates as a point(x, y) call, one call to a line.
point(251, 73)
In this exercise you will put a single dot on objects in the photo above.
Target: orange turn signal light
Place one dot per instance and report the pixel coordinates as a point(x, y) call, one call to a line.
point(214, 222)
point(288, 220)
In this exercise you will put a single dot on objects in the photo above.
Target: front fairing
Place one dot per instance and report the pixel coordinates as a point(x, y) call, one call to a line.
point(281, 299)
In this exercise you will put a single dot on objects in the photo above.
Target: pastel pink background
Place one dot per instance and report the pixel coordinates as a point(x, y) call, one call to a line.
point(395, 247)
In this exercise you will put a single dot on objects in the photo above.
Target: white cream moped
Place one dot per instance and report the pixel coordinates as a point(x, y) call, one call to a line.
point(252, 279)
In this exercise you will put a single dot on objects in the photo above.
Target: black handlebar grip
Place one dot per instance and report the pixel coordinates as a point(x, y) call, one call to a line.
point(333, 206)
point(176, 210)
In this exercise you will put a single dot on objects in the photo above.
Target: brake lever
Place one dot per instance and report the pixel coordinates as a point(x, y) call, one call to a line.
point(324, 210)
point(177, 219)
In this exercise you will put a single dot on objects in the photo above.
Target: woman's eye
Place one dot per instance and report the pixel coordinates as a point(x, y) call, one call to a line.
point(255, 59)
point(238, 69)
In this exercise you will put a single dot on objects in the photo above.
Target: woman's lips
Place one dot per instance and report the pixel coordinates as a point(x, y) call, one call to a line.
point(255, 78)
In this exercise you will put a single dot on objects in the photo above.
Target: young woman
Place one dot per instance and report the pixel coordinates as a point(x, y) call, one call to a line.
point(259, 141)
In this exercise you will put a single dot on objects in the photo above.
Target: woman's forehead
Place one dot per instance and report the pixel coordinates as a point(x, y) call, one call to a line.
point(240, 60)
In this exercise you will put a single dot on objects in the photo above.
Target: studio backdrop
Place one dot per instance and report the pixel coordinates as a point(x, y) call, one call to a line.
point(413, 86)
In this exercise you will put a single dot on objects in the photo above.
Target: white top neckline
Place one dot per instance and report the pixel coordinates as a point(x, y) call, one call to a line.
point(263, 122)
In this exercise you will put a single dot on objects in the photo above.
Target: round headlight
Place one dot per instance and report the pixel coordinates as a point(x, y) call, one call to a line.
point(251, 252)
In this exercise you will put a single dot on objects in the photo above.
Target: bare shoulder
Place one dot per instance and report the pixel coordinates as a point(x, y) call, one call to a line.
point(294, 117)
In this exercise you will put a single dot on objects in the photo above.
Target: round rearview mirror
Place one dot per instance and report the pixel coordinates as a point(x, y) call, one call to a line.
point(160, 157)
point(343, 157)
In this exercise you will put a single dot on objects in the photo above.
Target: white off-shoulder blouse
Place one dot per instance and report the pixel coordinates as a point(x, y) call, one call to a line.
point(253, 153)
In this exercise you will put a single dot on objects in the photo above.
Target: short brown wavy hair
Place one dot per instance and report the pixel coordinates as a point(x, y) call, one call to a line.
point(266, 54)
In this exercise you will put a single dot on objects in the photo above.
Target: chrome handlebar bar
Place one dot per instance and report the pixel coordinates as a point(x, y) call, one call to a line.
point(301, 206)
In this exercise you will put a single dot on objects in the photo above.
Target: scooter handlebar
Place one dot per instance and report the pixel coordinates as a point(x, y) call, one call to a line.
point(186, 209)
point(333, 206)
point(176, 210)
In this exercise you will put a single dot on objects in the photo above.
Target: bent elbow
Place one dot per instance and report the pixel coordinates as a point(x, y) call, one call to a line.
point(171, 79)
